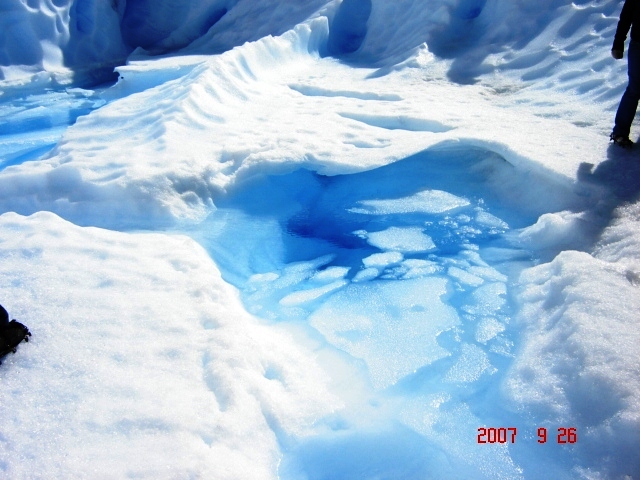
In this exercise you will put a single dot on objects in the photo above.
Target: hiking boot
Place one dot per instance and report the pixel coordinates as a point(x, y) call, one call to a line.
point(621, 140)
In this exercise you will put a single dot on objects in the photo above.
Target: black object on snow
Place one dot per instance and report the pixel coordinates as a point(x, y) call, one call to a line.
point(11, 333)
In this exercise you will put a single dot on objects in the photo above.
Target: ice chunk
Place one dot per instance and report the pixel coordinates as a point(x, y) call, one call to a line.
point(486, 219)
point(381, 260)
point(418, 268)
point(488, 273)
point(487, 299)
point(330, 274)
point(427, 201)
point(487, 329)
point(366, 274)
point(264, 277)
point(304, 296)
point(471, 364)
point(297, 272)
point(400, 239)
point(464, 277)
point(392, 326)
point(557, 231)
point(472, 255)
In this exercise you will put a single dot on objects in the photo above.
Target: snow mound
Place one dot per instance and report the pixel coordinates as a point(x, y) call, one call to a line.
point(140, 352)
point(579, 342)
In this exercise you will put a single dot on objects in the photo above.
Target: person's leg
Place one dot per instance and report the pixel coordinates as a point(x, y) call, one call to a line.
point(629, 102)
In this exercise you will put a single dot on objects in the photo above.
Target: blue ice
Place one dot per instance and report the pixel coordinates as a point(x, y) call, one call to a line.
point(31, 125)
point(388, 268)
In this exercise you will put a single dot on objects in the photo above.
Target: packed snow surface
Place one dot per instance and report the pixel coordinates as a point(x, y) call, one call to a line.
point(313, 240)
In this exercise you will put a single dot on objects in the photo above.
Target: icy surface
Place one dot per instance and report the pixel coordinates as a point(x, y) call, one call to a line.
point(316, 240)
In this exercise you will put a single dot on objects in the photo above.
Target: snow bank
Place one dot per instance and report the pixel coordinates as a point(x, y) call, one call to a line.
point(141, 350)
point(578, 363)
point(579, 312)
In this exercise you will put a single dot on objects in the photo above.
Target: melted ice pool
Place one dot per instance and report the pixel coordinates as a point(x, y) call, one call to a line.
point(404, 272)
point(398, 267)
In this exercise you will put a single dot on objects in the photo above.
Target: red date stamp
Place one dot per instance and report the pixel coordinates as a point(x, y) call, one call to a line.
point(508, 435)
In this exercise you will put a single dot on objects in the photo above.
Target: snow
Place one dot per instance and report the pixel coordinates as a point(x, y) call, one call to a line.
point(141, 350)
point(324, 239)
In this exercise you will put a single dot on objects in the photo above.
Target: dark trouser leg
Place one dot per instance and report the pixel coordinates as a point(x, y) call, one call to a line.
point(629, 102)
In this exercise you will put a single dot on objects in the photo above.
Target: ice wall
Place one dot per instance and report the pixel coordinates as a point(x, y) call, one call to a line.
point(170, 24)
point(63, 38)
point(536, 40)
point(59, 40)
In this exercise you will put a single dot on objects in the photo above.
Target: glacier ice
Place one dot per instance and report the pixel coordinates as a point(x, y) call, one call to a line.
point(393, 248)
